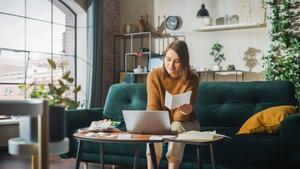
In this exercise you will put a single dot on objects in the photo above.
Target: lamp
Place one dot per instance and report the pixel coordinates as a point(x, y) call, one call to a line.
point(202, 12)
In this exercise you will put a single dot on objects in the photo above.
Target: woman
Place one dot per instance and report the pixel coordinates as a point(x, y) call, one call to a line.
point(175, 76)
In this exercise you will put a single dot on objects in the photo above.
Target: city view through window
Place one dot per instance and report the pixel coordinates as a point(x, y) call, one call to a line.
point(31, 32)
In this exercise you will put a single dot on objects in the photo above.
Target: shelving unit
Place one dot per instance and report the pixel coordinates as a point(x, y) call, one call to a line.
point(214, 73)
point(230, 27)
point(128, 39)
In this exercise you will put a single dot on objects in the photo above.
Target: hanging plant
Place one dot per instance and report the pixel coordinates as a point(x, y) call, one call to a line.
point(282, 61)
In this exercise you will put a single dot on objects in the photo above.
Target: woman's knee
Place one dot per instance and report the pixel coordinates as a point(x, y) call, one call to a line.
point(177, 126)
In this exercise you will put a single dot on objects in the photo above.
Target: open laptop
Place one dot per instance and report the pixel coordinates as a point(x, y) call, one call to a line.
point(147, 122)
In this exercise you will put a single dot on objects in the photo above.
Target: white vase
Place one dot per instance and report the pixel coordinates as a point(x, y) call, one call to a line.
point(216, 68)
point(207, 21)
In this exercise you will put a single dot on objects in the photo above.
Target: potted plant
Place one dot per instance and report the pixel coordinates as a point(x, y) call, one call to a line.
point(216, 52)
point(56, 94)
point(283, 58)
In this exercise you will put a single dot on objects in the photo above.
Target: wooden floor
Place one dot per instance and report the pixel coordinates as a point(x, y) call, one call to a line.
point(16, 162)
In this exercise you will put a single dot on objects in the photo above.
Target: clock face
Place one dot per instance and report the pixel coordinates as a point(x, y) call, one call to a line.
point(172, 22)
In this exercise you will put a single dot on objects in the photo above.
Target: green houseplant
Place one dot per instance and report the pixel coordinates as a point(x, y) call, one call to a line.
point(216, 52)
point(282, 62)
point(56, 94)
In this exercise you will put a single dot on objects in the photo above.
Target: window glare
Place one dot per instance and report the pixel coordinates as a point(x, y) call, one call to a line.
point(38, 36)
point(39, 9)
point(16, 7)
point(12, 32)
point(27, 41)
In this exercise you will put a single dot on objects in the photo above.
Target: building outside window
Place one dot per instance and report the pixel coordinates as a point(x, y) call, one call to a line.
point(31, 32)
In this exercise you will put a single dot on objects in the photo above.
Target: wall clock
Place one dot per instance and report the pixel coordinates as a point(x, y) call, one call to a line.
point(173, 22)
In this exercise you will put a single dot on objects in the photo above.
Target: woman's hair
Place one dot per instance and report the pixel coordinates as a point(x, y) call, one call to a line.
point(180, 47)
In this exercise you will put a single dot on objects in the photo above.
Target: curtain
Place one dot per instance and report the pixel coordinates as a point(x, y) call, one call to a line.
point(95, 21)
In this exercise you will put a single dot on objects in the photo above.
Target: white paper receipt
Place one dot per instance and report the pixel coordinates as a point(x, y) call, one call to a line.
point(174, 101)
point(124, 136)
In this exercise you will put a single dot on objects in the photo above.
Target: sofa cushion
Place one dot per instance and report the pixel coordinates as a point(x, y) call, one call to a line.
point(124, 97)
point(266, 121)
point(230, 104)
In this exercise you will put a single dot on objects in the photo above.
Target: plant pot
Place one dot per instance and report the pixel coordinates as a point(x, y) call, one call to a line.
point(216, 68)
point(28, 125)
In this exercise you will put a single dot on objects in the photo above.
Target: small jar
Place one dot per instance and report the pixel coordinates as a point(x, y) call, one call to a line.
point(127, 28)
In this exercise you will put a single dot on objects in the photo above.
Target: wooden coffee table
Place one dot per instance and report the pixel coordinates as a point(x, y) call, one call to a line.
point(199, 144)
point(137, 139)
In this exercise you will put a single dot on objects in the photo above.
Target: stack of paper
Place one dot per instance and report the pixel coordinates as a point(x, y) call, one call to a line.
point(161, 137)
point(199, 135)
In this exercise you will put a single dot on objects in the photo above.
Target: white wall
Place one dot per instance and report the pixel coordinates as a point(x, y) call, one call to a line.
point(235, 42)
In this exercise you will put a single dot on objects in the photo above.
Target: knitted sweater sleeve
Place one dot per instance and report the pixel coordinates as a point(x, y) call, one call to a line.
point(176, 114)
point(153, 94)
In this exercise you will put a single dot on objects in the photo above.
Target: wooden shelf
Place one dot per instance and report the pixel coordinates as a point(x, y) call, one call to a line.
point(230, 27)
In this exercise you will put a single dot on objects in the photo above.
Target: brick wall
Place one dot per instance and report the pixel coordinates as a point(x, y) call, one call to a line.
point(111, 26)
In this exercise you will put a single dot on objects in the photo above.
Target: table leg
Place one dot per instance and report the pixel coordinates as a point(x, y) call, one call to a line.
point(34, 162)
point(153, 155)
point(102, 155)
point(212, 154)
point(199, 157)
point(79, 153)
point(214, 76)
point(136, 156)
point(243, 76)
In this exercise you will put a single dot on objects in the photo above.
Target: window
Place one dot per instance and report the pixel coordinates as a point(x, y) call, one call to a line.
point(31, 32)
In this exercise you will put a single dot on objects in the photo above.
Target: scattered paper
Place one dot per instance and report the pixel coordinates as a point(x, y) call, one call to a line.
point(161, 137)
point(200, 135)
point(124, 136)
point(174, 101)
point(102, 134)
point(90, 134)
point(111, 136)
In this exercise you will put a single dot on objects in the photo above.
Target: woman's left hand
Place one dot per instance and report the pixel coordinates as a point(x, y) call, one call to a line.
point(186, 109)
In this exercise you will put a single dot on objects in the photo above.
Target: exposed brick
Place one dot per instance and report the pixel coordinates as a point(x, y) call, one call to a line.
point(111, 26)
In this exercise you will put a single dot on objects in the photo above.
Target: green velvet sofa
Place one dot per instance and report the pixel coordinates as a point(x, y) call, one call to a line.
point(221, 106)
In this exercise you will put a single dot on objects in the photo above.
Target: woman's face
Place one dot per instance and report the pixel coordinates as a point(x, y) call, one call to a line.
point(172, 63)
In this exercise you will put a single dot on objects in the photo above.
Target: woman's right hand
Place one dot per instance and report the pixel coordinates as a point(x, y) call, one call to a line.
point(186, 109)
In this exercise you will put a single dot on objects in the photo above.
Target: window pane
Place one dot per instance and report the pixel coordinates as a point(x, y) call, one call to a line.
point(62, 15)
point(63, 40)
point(12, 32)
point(12, 67)
point(39, 9)
point(16, 7)
point(38, 36)
point(63, 64)
point(70, 94)
point(66, 63)
point(40, 70)
point(58, 38)
point(11, 92)
point(69, 41)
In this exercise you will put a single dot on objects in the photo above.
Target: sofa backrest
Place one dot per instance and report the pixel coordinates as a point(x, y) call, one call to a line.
point(124, 96)
point(230, 104)
point(226, 104)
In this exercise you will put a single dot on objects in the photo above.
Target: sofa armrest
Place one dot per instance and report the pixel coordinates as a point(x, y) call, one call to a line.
point(79, 118)
point(290, 141)
point(82, 117)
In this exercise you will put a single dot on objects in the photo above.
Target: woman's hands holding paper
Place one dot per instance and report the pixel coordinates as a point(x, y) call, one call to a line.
point(185, 109)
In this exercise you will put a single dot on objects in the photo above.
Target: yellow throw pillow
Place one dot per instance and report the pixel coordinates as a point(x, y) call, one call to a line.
point(266, 121)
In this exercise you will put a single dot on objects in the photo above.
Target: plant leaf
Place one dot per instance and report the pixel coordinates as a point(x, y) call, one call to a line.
point(66, 75)
point(77, 89)
point(52, 63)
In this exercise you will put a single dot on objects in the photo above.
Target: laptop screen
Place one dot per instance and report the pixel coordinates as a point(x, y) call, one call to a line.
point(147, 122)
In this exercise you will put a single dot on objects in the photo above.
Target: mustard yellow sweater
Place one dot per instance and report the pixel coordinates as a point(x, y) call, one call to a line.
point(157, 85)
